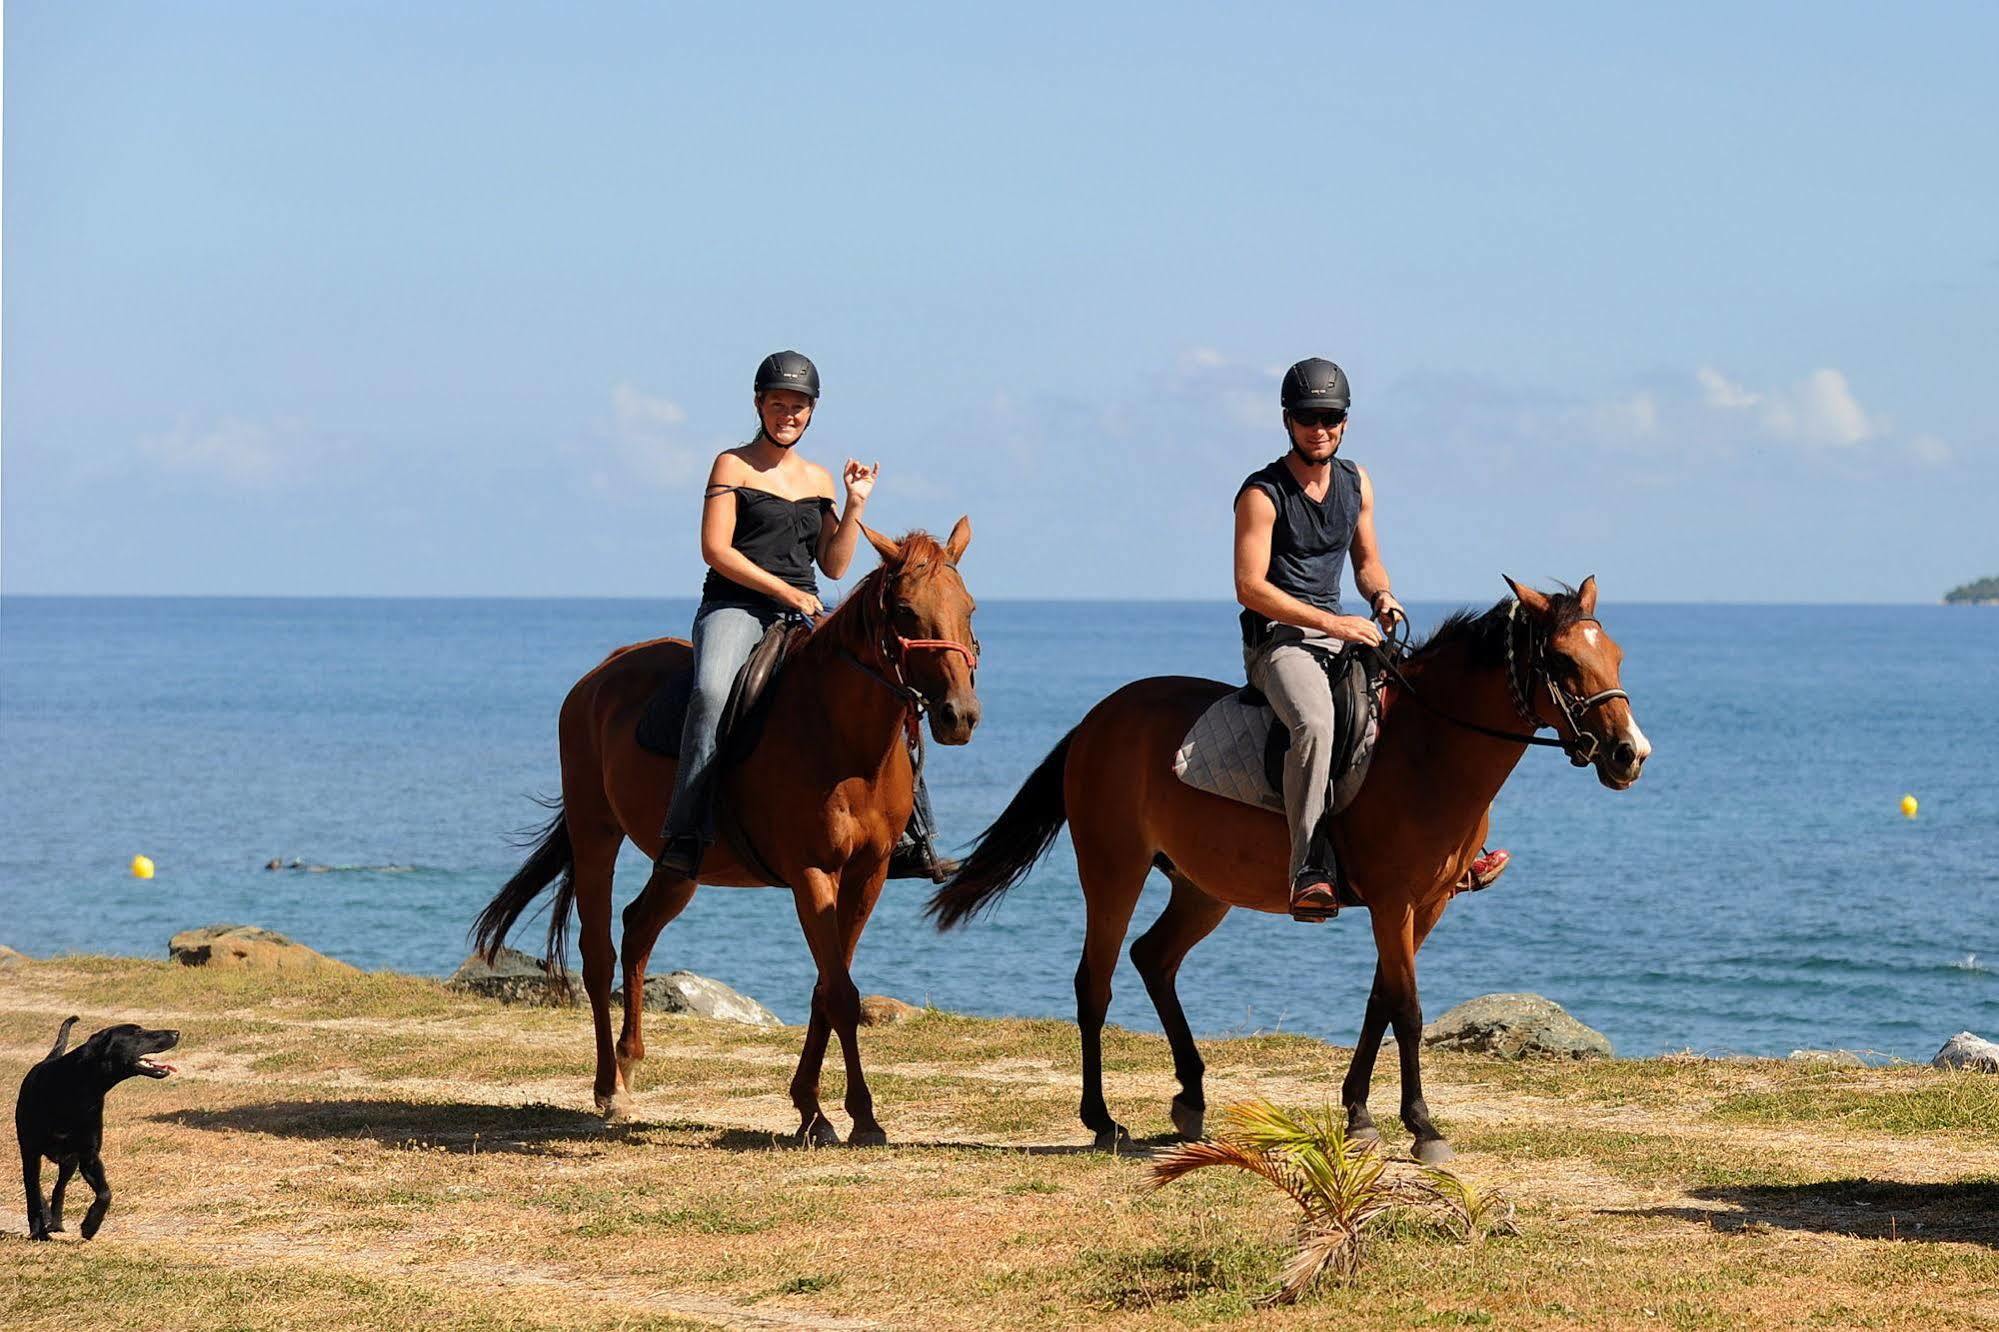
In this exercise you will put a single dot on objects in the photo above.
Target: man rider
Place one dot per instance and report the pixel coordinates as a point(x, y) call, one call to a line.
point(1297, 522)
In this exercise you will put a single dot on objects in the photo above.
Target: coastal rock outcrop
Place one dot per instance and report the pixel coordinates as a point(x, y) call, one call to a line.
point(698, 996)
point(1830, 1058)
point(1516, 1026)
point(878, 1010)
point(11, 957)
point(1965, 1050)
point(513, 977)
point(248, 948)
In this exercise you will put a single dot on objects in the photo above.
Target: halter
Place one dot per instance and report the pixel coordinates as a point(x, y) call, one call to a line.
point(894, 650)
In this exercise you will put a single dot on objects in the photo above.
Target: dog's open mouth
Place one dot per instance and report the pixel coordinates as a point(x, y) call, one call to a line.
point(154, 1068)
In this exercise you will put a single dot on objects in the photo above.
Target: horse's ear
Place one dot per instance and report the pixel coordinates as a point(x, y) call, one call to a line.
point(1534, 603)
point(1586, 595)
point(961, 537)
point(890, 551)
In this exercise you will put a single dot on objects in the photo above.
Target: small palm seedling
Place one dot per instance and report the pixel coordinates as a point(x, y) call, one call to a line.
point(1341, 1186)
point(1471, 1211)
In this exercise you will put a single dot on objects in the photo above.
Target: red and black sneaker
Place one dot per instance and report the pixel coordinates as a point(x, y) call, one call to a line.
point(1485, 870)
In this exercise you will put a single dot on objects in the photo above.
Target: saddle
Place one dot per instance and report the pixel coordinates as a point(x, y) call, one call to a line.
point(742, 721)
point(1236, 748)
point(741, 728)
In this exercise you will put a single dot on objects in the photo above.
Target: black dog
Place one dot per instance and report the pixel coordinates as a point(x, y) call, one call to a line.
point(60, 1115)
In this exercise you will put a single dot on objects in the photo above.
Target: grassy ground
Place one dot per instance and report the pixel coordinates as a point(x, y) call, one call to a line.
point(375, 1152)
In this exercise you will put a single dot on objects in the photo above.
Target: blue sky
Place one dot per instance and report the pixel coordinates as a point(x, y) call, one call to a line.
point(391, 299)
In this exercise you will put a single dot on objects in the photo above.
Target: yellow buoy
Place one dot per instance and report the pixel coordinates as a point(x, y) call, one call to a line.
point(142, 867)
point(1908, 807)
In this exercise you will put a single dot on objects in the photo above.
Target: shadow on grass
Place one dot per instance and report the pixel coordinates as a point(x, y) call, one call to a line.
point(1964, 1211)
point(469, 1126)
point(448, 1126)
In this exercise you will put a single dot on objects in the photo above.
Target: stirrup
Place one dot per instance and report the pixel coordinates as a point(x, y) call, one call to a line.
point(1315, 901)
point(681, 856)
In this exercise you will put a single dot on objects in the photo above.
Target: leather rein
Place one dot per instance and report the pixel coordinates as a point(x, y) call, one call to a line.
point(1581, 746)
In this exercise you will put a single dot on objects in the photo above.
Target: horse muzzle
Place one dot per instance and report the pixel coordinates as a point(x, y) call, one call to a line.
point(953, 720)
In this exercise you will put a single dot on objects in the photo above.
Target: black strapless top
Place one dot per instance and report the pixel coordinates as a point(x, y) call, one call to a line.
point(779, 536)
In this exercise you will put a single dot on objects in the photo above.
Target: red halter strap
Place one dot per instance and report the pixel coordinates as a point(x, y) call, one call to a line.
point(941, 645)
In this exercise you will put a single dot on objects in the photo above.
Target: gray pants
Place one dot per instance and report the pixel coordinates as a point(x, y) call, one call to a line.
point(1291, 677)
point(724, 637)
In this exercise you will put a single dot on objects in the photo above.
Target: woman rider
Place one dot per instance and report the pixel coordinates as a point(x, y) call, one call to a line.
point(766, 519)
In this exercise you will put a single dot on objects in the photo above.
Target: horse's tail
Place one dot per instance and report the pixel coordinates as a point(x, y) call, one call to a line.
point(1007, 850)
point(551, 859)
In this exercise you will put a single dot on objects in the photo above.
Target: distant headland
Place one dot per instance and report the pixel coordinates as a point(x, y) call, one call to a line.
point(1981, 592)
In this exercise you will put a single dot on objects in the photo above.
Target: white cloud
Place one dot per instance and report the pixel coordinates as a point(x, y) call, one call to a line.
point(1820, 409)
point(242, 453)
point(646, 438)
point(1717, 390)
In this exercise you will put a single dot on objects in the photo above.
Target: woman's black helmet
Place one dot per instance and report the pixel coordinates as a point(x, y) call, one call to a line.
point(790, 370)
point(1317, 384)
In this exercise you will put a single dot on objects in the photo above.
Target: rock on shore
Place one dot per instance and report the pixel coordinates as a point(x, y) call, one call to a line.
point(11, 957)
point(513, 977)
point(879, 1010)
point(1965, 1050)
point(1516, 1026)
point(698, 996)
point(247, 947)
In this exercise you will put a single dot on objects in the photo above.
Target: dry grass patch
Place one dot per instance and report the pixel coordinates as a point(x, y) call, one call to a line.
point(375, 1151)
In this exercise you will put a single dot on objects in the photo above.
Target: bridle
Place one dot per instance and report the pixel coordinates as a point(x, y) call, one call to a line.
point(1580, 745)
point(1582, 749)
point(893, 649)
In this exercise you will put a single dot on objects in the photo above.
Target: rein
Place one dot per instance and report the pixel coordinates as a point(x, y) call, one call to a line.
point(1581, 747)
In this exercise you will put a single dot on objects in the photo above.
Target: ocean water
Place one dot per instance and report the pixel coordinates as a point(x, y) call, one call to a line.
point(1758, 890)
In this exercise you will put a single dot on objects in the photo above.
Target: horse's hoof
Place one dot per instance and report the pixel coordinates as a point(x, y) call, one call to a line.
point(816, 1134)
point(616, 1108)
point(1367, 1135)
point(1113, 1139)
point(1189, 1122)
point(873, 1137)
point(1432, 1152)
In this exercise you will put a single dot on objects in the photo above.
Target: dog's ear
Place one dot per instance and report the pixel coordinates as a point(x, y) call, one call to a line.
point(62, 1038)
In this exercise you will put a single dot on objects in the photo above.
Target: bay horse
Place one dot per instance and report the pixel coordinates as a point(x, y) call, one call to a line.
point(1450, 735)
point(820, 799)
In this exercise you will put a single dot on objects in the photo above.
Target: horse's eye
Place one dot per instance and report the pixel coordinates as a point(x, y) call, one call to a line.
point(1563, 664)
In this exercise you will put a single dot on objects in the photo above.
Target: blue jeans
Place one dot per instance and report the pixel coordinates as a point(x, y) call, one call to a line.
point(724, 637)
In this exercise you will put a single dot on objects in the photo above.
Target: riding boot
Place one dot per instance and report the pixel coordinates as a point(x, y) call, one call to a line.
point(915, 855)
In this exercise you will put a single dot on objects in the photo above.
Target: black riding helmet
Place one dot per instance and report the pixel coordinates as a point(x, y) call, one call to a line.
point(790, 370)
point(1316, 384)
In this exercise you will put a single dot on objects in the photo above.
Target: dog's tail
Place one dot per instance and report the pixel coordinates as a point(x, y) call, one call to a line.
point(62, 1039)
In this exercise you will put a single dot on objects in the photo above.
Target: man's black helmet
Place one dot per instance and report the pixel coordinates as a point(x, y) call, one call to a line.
point(1315, 383)
point(790, 370)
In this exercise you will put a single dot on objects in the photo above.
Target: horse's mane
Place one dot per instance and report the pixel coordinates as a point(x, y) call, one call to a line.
point(847, 625)
point(1482, 634)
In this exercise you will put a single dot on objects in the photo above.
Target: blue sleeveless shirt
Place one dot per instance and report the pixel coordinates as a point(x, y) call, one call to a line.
point(1309, 541)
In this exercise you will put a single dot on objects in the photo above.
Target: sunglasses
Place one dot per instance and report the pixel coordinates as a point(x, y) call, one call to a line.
point(1311, 417)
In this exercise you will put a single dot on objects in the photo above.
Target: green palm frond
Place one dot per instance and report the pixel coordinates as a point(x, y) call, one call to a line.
point(1341, 1187)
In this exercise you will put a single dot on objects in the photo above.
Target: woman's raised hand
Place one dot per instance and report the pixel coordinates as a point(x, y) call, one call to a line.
point(860, 480)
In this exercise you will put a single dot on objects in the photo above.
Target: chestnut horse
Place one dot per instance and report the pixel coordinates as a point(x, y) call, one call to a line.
point(820, 799)
point(1450, 735)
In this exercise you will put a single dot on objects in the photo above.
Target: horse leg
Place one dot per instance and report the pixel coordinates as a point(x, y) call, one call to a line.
point(1111, 883)
point(1395, 940)
point(664, 897)
point(860, 889)
point(818, 902)
point(1360, 1073)
point(1190, 917)
point(595, 861)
